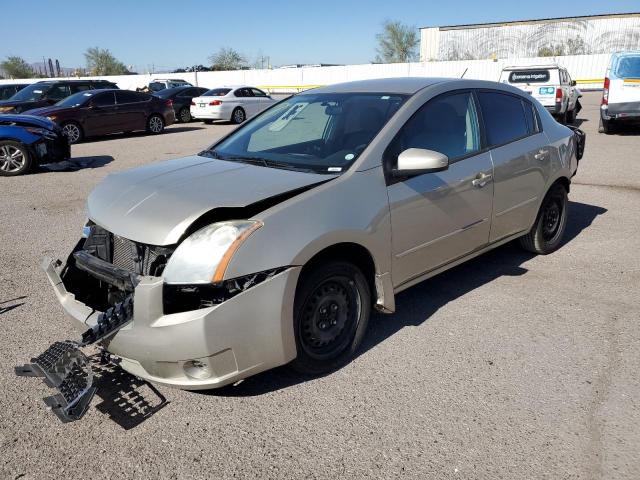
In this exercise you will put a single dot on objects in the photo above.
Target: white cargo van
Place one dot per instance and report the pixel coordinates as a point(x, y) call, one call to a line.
point(550, 84)
point(621, 93)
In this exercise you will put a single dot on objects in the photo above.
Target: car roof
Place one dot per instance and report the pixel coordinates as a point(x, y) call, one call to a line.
point(406, 85)
point(51, 82)
point(529, 67)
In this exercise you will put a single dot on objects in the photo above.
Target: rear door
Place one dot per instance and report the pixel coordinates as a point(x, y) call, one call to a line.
point(520, 158)
point(250, 103)
point(625, 82)
point(439, 217)
point(264, 100)
point(131, 110)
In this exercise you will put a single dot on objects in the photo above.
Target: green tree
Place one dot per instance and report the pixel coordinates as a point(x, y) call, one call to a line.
point(100, 61)
point(16, 67)
point(551, 51)
point(397, 43)
point(228, 59)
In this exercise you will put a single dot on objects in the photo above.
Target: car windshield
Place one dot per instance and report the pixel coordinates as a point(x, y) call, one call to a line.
point(75, 100)
point(324, 132)
point(32, 93)
point(628, 67)
point(216, 92)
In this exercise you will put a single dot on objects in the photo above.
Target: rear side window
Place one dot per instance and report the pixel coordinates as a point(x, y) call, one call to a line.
point(628, 67)
point(447, 124)
point(529, 76)
point(531, 117)
point(504, 117)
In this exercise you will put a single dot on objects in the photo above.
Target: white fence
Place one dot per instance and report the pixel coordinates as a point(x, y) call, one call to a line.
point(587, 70)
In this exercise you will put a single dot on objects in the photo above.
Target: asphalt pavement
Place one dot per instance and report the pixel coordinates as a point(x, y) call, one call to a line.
point(509, 366)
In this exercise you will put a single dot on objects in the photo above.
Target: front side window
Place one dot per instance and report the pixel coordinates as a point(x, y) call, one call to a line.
point(447, 124)
point(258, 93)
point(504, 117)
point(318, 132)
point(58, 92)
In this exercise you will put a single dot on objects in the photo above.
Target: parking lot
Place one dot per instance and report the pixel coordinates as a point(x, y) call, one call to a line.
point(508, 366)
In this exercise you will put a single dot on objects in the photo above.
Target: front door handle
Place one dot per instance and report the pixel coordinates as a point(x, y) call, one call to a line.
point(541, 155)
point(481, 179)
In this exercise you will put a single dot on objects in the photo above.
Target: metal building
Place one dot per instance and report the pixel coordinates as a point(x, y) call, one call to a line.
point(532, 38)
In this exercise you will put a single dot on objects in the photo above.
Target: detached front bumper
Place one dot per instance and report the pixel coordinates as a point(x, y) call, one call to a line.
point(197, 349)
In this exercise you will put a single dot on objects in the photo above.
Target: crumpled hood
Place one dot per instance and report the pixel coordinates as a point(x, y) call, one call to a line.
point(24, 119)
point(155, 204)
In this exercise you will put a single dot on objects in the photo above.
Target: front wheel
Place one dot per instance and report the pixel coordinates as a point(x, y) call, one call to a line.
point(14, 159)
point(73, 132)
point(546, 234)
point(155, 124)
point(331, 313)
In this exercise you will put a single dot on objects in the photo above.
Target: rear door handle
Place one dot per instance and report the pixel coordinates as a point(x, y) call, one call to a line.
point(481, 179)
point(541, 155)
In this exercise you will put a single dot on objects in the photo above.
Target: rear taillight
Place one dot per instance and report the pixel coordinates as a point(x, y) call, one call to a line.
point(193, 103)
point(605, 92)
point(558, 94)
point(215, 103)
point(169, 103)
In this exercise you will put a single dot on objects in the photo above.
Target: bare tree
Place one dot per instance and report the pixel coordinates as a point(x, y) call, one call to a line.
point(100, 61)
point(228, 59)
point(397, 43)
point(16, 67)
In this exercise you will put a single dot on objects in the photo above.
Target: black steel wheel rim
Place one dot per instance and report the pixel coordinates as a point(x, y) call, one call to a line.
point(551, 218)
point(329, 317)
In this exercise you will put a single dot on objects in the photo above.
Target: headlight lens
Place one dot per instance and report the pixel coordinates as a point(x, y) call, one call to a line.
point(5, 109)
point(203, 257)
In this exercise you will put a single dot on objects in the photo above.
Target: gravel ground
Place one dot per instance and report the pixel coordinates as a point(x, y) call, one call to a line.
point(510, 366)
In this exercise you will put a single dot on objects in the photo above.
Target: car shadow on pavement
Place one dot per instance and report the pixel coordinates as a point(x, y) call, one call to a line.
point(417, 304)
point(120, 136)
point(126, 399)
point(77, 163)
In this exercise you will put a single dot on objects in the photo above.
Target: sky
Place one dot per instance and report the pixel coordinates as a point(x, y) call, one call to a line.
point(164, 35)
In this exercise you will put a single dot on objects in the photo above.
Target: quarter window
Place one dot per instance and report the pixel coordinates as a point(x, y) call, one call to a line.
point(124, 96)
point(447, 124)
point(504, 117)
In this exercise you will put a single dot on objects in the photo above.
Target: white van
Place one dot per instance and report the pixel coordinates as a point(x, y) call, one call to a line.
point(550, 84)
point(621, 93)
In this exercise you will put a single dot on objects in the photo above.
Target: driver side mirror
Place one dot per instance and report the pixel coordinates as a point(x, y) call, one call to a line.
point(416, 161)
point(573, 83)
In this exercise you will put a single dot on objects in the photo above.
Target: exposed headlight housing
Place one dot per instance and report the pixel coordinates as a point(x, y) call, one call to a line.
point(204, 256)
point(5, 109)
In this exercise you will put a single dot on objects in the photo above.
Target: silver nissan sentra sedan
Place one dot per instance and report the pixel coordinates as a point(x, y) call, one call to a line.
point(272, 246)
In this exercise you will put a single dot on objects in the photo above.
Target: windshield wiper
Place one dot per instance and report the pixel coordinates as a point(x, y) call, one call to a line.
point(265, 162)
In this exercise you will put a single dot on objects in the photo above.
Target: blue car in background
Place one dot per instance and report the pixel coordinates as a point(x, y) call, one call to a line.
point(27, 141)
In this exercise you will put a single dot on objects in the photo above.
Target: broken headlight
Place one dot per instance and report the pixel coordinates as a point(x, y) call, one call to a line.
point(203, 257)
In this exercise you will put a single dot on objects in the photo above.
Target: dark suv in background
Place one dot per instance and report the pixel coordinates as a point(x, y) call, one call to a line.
point(101, 112)
point(8, 90)
point(48, 92)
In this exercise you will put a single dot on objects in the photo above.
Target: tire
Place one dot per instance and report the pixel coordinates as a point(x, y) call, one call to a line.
point(73, 132)
point(14, 159)
point(548, 230)
point(331, 314)
point(605, 126)
point(238, 116)
point(184, 115)
point(155, 124)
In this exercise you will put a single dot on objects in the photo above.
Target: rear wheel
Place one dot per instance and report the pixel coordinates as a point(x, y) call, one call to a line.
point(14, 159)
point(73, 132)
point(238, 116)
point(605, 126)
point(155, 124)
point(331, 313)
point(546, 234)
point(184, 115)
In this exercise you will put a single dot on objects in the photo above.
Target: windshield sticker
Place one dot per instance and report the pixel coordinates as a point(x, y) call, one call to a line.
point(37, 91)
point(385, 97)
point(349, 156)
point(287, 116)
point(87, 94)
point(334, 169)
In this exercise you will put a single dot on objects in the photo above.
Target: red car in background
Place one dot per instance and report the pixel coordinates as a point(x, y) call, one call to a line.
point(102, 112)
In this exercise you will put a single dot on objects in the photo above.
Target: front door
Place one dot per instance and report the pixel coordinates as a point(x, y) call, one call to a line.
point(437, 218)
point(101, 115)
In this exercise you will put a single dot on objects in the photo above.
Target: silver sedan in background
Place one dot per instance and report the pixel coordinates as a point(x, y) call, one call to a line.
point(273, 245)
